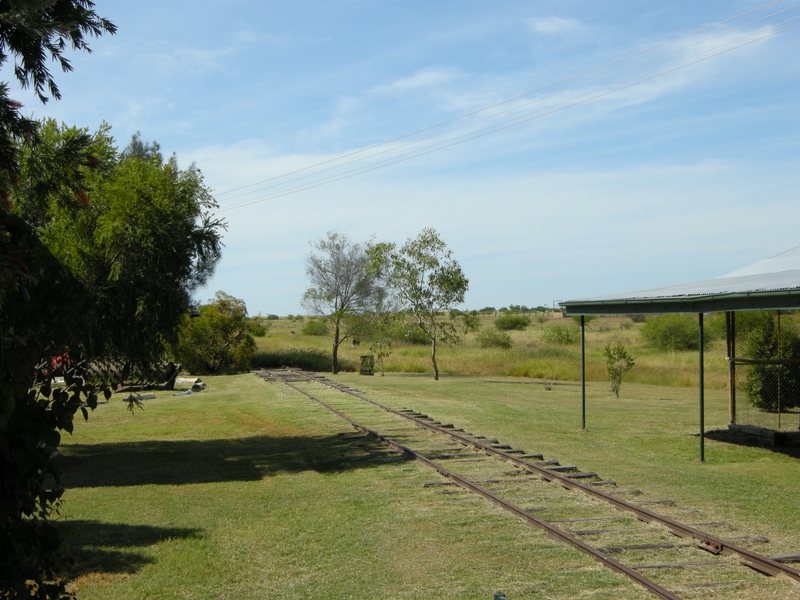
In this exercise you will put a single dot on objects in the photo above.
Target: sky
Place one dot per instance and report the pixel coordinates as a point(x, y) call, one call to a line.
point(619, 152)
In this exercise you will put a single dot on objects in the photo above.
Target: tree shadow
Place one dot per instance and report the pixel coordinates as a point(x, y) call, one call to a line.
point(207, 461)
point(106, 548)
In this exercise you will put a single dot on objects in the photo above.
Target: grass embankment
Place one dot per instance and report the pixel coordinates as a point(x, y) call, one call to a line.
point(530, 356)
point(246, 490)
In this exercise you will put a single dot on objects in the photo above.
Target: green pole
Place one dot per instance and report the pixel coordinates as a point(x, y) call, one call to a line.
point(702, 386)
point(583, 376)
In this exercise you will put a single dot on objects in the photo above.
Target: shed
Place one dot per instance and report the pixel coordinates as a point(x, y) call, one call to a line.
point(771, 284)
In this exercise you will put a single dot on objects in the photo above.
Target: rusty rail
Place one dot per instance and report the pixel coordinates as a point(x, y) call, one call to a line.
point(705, 541)
point(552, 531)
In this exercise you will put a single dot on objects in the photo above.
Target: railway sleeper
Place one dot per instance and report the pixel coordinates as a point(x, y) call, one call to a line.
point(625, 492)
point(786, 558)
point(583, 475)
point(687, 565)
point(545, 463)
point(655, 546)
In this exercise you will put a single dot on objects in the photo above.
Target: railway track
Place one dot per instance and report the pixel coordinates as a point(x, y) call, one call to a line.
point(670, 558)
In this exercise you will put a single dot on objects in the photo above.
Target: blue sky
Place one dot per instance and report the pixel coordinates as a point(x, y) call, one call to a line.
point(686, 176)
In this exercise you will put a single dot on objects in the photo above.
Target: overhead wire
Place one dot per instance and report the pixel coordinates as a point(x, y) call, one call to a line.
point(511, 109)
point(518, 97)
point(608, 89)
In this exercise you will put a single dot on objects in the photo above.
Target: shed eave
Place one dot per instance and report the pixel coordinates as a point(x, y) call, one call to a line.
point(765, 300)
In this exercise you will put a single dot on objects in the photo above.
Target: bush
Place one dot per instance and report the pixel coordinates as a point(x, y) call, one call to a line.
point(674, 332)
point(509, 322)
point(409, 333)
point(272, 317)
point(308, 359)
point(618, 362)
point(258, 327)
point(491, 338)
point(315, 328)
point(561, 334)
point(761, 385)
point(638, 318)
point(218, 341)
point(586, 319)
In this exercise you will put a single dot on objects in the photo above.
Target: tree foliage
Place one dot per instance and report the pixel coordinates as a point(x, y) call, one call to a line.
point(40, 309)
point(764, 380)
point(219, 340)
point(428, 282)
point(343, 287)
point(137, 234)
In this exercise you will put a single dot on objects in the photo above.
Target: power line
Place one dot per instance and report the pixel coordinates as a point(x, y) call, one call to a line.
point(503, 102)
point(537, 114)
point(495, 115)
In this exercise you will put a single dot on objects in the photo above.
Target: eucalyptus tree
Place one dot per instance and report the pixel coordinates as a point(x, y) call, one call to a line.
point(343, 287)
point(429, 282)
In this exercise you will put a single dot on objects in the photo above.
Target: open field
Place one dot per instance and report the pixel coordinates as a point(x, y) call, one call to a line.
point(530, 356)
point(246, 490)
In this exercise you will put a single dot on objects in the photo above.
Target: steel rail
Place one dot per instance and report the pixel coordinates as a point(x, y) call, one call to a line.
point(705, 541)
point(552, 531)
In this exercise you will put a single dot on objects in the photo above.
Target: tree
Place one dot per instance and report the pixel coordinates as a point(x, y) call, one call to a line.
point(342, 286)
point(219, 340)
point(618, 362)
point(771, 387)
point(428, 282)
point(40, 307)
point(135, 231)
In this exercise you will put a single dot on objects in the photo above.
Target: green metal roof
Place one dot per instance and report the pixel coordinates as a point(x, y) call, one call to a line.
point(772, 284)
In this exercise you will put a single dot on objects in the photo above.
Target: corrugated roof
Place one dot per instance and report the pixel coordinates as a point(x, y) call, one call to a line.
point(773, 283)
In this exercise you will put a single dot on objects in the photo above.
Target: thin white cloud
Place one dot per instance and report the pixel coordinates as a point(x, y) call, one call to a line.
point(553, 25)
point(423, 79)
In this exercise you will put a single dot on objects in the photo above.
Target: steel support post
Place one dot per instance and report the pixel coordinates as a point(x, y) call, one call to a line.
point(702, 389)
point(583, 374)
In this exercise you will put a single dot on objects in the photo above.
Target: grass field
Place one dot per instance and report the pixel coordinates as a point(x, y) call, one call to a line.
point(247, 490)
point(530, 356)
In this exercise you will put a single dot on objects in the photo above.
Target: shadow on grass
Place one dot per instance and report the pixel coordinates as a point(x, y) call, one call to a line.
point(106, 548)
point(788, 447)
point(208, 461)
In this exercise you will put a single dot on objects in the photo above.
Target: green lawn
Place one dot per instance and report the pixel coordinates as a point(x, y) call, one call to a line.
point(247, 490)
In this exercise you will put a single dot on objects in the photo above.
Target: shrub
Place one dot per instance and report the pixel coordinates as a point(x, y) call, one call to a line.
point(761, 385)
point(561, 334)
point(639, 318)
point(219, 340)
point(674, 332)
point(272, 317)
point(409, 333)
point(586, 319)
point(258, 327)
point(308, 359)
point(492, 338)
point(315, 327)
point(618, 362)
point(509, 322)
